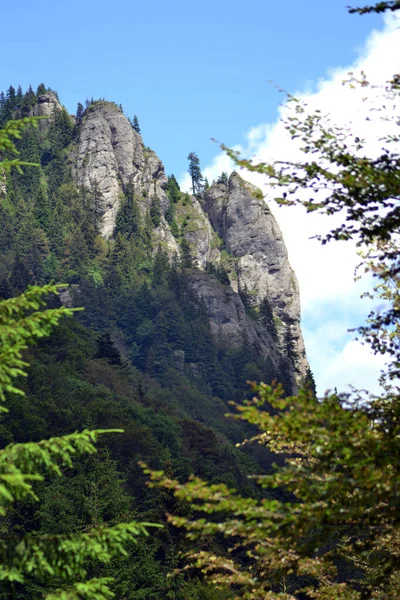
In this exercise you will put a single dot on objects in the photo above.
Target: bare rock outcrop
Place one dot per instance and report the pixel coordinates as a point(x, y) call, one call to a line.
point(110, 155)
point(239, 214)
point(197, 230)
point(231, 325)
point(45, 107)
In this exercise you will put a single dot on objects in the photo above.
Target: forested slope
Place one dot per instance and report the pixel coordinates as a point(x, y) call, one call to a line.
point(180, 310)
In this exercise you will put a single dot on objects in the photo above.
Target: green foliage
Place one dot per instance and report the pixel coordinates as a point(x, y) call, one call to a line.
point(67, 557)
point(128, 220)
point(195, 173)
point(186, 254)
point(135, 124)
point(341, 473)
point(266, 317)
point(12, 129)
point(173, 190)
point(328, 524)
point(379, 7)
point(155, 211)
point(21, 322)
point(219, 272)
point(223, 178)
point(141, 357)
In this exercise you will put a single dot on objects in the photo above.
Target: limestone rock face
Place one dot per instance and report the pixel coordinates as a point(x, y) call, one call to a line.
point(200, 235)
point(111, 154)
point(252, 236)
point(230, 323)
point(166, 238)
point(45, 108)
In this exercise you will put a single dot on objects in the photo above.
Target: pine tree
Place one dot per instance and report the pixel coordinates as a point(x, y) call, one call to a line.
point(160, 267)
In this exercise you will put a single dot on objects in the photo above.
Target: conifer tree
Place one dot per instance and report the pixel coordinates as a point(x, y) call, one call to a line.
point(186, 255)
point(41, 90)
point(79, 114)
point(223, 178)
point(155, 211)
point(173, 190)
point(195, 173)
point(135, 124)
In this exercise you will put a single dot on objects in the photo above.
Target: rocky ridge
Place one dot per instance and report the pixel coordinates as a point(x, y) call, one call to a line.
point(230, 225)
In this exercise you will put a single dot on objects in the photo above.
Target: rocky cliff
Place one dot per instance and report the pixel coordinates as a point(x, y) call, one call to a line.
point(238, 212)
point(230, 226)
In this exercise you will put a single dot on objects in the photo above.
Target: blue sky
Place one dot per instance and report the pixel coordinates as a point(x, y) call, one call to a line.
point(196, 71)
point(191, 71)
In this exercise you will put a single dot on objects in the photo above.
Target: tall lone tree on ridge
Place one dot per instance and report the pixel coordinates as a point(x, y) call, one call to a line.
point(195, 173)
point(135, 124)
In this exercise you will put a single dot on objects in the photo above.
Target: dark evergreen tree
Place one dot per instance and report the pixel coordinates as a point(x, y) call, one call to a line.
point(195, 173)
point(61, 130)
point(186, 255)
point(223, 178)
point(97, 206)
point(135, 124)
point(309, 382)
point(9, 106)
point(19, 96)
point(79, 114)
point(155, 211)
point(29, 180)
point(41, 90)
point(28, 102)
point(173, 190)
point(106, 349)
point(267, 317)
point(245, 297)
point(160, 267)
point(128, 220)
point(219, 271)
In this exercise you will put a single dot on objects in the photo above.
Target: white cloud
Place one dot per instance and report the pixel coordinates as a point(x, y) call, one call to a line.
point(326, 273)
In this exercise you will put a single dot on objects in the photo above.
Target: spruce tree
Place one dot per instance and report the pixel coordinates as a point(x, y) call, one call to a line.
point(155, 211)
point(79, 114)
point(195, 173)
point(41, 90)
point(223, 178)
point(135, 124)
